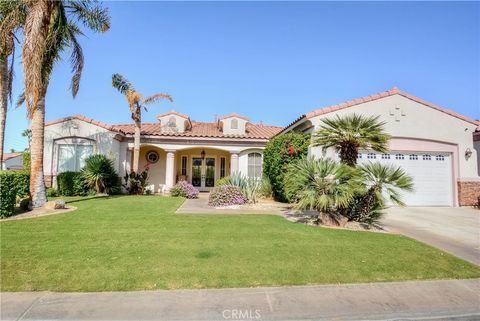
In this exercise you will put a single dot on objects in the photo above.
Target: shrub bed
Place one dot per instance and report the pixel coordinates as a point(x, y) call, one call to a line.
point(226, 195)
point(279, 152)
point(184, 189)
point(71, 184)
point(12, 184)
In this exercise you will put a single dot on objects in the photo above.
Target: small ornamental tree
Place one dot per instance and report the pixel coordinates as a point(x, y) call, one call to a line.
point(280, 151)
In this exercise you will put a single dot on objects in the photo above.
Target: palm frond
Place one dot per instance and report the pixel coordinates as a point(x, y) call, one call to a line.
point(121, 84)
point(154, 98)
point(90, 14)
point(76, 60)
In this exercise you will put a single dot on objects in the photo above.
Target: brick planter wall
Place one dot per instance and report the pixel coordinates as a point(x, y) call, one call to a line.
point(469, 193)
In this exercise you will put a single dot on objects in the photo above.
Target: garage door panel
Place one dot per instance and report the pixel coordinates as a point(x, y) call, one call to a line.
point(431, 173)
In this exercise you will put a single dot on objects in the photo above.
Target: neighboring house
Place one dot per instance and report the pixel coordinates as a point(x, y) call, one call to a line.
point(433, 144)
point(175, 148)
point(12, 161)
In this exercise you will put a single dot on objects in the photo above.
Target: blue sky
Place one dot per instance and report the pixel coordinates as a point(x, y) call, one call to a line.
point(271, 61)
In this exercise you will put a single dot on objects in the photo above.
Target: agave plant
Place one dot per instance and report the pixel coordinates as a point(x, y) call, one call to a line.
point(322, 185)
point(383, 182)
point(348, 134)
point(99, 174)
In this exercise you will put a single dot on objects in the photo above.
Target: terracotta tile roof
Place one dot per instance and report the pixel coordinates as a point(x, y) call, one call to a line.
point(234, 115)
point(387, 93)
point(199, 129)
point(204, 129)
point(7, 156)
point(173, 112)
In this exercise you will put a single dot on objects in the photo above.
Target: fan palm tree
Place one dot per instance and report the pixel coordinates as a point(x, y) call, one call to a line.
point(8, 28)
point(348, 134)
point(28, 134)
point(382, 181)
point(49, 29)
point(136, 102)
point(321, 184)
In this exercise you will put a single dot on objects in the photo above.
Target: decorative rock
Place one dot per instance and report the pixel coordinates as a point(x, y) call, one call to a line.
point(55, 205)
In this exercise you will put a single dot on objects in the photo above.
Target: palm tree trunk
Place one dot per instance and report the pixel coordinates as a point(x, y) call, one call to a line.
point(3, 104)
point(37, 180)
point(136, 148)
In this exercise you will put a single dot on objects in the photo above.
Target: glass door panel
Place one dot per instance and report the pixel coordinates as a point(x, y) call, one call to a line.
point(209, 172)
point(196, 171)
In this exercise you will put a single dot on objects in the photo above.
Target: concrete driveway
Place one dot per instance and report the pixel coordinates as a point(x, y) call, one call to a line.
point(454, 230)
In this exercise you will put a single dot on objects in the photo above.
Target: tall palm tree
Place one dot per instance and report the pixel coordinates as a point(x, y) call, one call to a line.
point(348, 134)
point(49, 29)
point(382, 181)
point(8, 26)
point(136, 102)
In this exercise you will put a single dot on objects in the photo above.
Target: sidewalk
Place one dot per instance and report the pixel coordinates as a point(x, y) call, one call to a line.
point(423, 300)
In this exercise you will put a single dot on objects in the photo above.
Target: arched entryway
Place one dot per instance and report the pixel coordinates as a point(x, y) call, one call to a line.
point(202, 166)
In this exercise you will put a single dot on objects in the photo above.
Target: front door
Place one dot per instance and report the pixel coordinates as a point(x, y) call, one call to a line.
point(203, 173)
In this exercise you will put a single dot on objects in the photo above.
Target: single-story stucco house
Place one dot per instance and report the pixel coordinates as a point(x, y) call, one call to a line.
point(433, 144)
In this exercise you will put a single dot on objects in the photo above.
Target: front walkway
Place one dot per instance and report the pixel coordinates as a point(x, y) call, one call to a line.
point(200, 206)
point(453, 229)
point(424, 300)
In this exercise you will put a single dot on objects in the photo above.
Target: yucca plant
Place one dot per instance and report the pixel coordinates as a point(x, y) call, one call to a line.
point(347, 134)
point(383, 182)
point(99, 174)
point(322, 185)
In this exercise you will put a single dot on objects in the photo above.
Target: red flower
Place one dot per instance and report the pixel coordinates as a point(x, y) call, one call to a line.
point(291, 150)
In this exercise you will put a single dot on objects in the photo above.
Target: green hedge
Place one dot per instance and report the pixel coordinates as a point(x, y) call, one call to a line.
point(12, 184)
point(279, 152)
point(71, 183)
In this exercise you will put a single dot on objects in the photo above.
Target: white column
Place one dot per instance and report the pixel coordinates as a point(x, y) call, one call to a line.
point(170, 169)
point(233, 162)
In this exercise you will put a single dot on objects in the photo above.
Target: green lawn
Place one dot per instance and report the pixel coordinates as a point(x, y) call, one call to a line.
point(136, 243)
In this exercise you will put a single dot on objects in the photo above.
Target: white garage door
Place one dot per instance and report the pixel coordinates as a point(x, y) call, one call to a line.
point(431, 172)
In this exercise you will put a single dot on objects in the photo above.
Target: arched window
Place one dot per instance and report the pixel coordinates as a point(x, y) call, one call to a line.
point(172, 122)
point(255, 165)
point(234, 124)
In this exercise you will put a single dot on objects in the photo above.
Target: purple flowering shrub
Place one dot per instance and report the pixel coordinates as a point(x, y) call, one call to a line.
point(184, 189)
point(226, 195)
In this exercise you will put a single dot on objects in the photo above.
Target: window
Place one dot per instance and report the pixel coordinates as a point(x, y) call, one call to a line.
point(234, 124)
point(184, 166)
point(427, 157)
point(385, 156)
point(413, 157)
point(71, 157)
point(222, 167)
point(254, 165)
point(371, 156)
point(152, 156)
point(399, 156)
point(358, 156)
point(172, 122)
point(440, 158)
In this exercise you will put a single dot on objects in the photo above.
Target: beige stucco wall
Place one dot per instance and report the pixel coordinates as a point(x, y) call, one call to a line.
point(227, 126)
point(103, 141)
point(180, 123)
point(156, 173)
point(406, 118)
